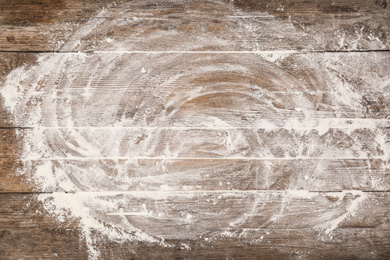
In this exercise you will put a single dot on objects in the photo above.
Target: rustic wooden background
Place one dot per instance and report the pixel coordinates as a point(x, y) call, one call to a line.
point(300, 89)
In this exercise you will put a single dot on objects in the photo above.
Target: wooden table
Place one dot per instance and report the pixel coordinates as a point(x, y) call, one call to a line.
point(186, 129)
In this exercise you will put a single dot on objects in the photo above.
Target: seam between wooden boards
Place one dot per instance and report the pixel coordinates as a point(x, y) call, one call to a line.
point(188, 191)
point(206, 52)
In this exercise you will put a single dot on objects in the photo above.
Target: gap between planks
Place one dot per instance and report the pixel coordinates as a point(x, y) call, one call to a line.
point(201, 158)
point(167, 192)
point(205, 52)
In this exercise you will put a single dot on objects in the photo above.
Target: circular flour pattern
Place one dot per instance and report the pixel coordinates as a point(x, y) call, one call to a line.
point(127, 133)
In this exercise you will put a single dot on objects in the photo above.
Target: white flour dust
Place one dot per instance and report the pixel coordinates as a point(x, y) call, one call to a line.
point(118, 129)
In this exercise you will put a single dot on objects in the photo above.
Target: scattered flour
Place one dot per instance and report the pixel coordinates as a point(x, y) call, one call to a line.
point(351, 210)
point(57, 151)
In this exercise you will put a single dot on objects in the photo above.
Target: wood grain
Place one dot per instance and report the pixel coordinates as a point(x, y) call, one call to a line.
point(194, 129)
point(256, 144)
point(362, 236)
point(10, 180)
point(47, 25)
point(202, 90)
point(205, 174)
point(28, 233)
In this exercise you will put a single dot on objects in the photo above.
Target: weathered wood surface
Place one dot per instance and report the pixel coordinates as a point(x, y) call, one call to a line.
point(199, 159)
point(194, 129)
point(265, 122)
point(204, 174)
point(47, 25)
point(198, 90)
point(255, 233)
point(28, 233)
point(217, 144)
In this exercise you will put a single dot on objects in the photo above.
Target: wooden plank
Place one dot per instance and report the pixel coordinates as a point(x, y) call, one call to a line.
point(331, 122)
point(13, 60)
point(200, 159)
point(9, 62)
point(230, 225)
point(194, 129)
point(10, 144)
point(13, 181)
point(11, 177)
point(195, 143)
point(212, 90)
point(182, 25)
point(26, 234)
point(191, 174)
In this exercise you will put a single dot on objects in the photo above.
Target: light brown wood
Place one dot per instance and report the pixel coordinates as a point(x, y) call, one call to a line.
point(180, 89)
point(194, 129)
point(207, 174)
point(200, 159)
